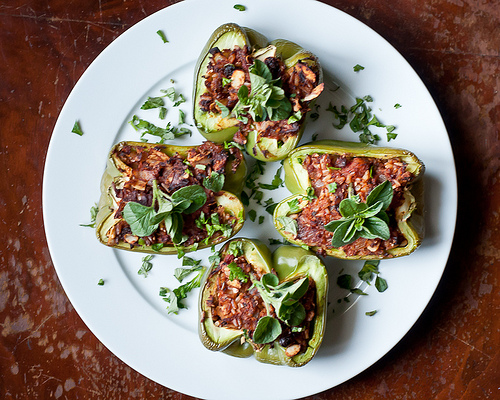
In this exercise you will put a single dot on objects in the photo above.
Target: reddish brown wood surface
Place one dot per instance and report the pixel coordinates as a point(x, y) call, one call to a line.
point(46, 351)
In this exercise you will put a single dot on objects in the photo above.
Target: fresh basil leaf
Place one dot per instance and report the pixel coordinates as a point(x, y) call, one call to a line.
point(174, 224)
point(276, 182)
point(170, 93)
point(140, 218)
point(292, 315)
point(372, 210)
point(224, 111)
point(340, 232)
point(146, 266)
point(153, 102)
point(188, 199)
point(260, 69)
point(270, 280)
point(350, 207)
point(267, 330)
point(288, 225)
point(334, 224)
point(271, 207)
point(382, 193)
point(215, 182)
point(381, 284)
point(344, 281)
point(252, 214)
point(377, 227)
point(93, 215)
point(369, 268)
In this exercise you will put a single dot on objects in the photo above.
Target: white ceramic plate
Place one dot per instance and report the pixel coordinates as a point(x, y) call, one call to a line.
point(127, 314)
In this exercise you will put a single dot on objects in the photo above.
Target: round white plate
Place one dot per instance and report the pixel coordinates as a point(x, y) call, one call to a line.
point(127, 314)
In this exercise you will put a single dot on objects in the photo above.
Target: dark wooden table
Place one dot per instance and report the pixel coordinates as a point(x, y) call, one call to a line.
point(452, 352)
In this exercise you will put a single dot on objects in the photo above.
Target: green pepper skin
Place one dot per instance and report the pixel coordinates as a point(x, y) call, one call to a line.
point(218, 129)
point(290, 263)
point(107, 206)
point(409, 215)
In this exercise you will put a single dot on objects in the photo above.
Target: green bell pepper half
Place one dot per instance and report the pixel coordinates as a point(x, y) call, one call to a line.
point(114, 174)
point(409, 215)
point(213, 126)
point(290, 263)
point(227, 36)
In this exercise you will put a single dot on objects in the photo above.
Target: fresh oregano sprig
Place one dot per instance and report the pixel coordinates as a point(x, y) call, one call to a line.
point(144, 220)
point(266, 99)
point(367, 220)
point(284, 298)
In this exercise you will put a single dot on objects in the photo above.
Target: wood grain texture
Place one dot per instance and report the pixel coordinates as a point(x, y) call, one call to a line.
point(47, 352)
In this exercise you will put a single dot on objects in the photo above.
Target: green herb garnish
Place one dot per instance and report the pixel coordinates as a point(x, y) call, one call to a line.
point(193, 266)
point(101, 282)
point(239, 7)
point(153, 102)
point(168, 133)
point(368, 220)
point(146, 266)
point(276, 182)
point(162, 35)
point(358, 67)
point(144, 220)
point(214, 182)
point(288, 225)
point(370, 313)
point(235, 272)
point(76, 129)
point(284, 298)
point(266, 100)
point(93, 215)
point(174, 297)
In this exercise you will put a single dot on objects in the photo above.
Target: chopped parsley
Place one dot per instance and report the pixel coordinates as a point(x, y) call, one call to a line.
point(358, 67)
point(146, 266)
point(360, 118)
point(235, 272)
point(76, 129)
point(239, 7)
point(162, 35)
point(101, 282)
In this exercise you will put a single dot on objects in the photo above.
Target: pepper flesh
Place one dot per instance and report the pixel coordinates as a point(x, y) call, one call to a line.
point(264, 140)
point(407, 213)
point(289, 263)
point(117, 173)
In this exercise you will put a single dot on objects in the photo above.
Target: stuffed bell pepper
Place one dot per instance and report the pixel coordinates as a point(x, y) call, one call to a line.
point(271, 306)
point(254, 92)
point(353, 201)
point(167, 199)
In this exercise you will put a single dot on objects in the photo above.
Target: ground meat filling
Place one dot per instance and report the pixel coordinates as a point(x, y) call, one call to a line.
point(227, 71)
point(144, 165)
point(362, 174)
point(235, 306)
